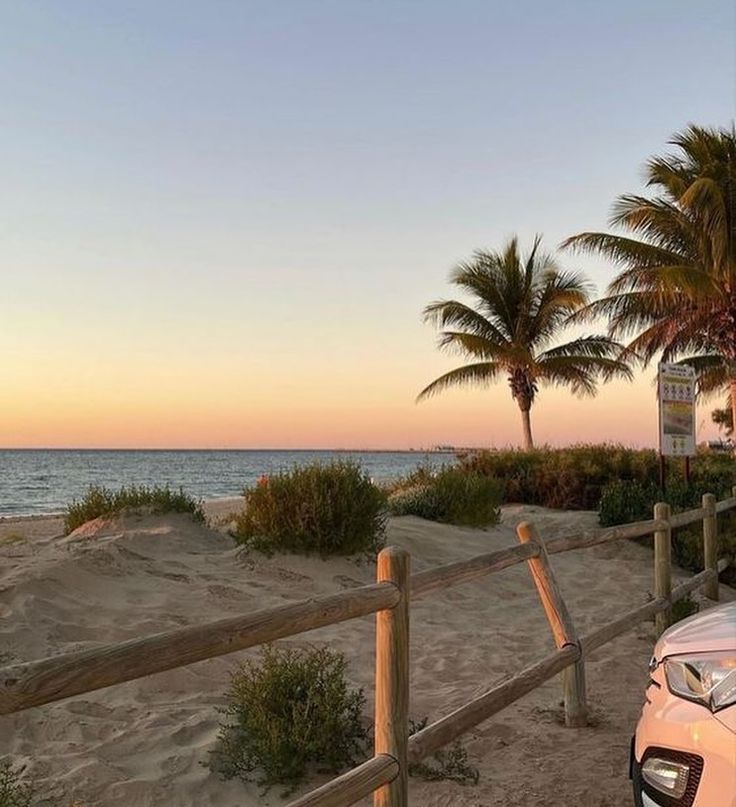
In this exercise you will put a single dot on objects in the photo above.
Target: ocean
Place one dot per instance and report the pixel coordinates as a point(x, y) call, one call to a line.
point(43, 481)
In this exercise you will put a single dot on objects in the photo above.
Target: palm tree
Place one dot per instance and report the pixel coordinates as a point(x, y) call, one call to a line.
point(676, 294)
point(723, 418)
point(522, 303)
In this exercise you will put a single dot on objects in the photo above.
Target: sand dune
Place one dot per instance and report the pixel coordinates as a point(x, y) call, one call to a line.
point(143, 743)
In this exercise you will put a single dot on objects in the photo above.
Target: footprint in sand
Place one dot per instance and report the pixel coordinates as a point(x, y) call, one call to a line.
point(179, 578)
point(346, 582)
point(280, 573)
point(227, 593)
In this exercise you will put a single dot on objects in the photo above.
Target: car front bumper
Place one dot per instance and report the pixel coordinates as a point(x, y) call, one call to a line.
point(683, 731)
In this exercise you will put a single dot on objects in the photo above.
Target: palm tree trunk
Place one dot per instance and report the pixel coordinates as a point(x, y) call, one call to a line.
point(527, 425)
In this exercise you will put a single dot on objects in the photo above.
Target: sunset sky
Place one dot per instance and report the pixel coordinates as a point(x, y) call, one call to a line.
point(220, 221)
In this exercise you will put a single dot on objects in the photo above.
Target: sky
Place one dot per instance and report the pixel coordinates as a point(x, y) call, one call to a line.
point(219, 222)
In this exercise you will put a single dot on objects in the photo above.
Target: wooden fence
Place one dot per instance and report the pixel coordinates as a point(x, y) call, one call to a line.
point(386, 774)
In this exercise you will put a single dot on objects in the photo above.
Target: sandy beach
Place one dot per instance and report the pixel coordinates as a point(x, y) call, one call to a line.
point(144, 742)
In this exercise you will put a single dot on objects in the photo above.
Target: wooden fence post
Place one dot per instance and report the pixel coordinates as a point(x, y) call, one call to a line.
point(663, 564)
point(560, 621)
point(392, 678)
point(710, 544)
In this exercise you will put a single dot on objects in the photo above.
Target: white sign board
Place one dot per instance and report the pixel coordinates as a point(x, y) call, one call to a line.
point(676, 384)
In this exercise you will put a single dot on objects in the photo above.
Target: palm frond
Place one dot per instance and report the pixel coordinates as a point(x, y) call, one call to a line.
point(581, 373)
point(455, 314)
point(621, 250)
point(676, 292)
point(470, 344)
point(713, 374)
point(481, 374)
point(584, 346)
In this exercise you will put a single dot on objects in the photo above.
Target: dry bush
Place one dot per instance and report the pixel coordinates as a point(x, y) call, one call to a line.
point(324, 509)
point(290, 712)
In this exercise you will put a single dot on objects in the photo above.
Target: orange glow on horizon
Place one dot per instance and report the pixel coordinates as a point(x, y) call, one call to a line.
point(63, 389)
point(229, 413)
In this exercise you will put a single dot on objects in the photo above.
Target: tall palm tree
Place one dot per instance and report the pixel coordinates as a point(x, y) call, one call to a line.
point(522, 303)
point(676, 294)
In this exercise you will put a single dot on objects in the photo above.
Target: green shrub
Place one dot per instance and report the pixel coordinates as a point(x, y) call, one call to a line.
point(625, 501)
point(687, 547)
point(447, 764)
point(628, 501)
point(421, 476)
point(101, 501)
point(14, 791)
point(292, 711)
point(714, 473)
point(568, 478)
point(684, 608)
point(574, 478)
point(727, 546)
point(331, 509)
point(417, 501)
point(451, 495)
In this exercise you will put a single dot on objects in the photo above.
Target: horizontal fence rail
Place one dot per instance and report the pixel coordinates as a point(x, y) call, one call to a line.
point(726, 504)
point(639, 530)
point(35, 683)
point(449, 728)
point(688, 517)
point(611, 630)
point(353, 785)
point(452, 574)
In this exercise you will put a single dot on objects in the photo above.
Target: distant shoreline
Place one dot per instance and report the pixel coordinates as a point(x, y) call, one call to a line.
point(442, 450)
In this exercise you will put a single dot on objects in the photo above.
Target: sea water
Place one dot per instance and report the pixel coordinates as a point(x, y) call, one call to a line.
point(35, 481)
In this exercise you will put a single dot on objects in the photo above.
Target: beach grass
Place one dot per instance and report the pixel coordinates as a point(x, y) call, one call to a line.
point(104, 502)
point(12, 538)
point(449, 495)
point(449, 764)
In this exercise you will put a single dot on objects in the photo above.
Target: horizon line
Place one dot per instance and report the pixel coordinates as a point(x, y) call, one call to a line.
point(434, 449)
point(438, 448)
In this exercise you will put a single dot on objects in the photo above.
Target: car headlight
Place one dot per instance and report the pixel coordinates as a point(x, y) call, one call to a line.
point(706, 678)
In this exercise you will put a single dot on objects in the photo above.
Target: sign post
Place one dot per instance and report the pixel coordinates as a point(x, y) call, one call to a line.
point(676, 394)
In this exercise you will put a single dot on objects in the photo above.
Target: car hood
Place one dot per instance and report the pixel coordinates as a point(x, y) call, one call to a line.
point(727, 717)
point(712, 631)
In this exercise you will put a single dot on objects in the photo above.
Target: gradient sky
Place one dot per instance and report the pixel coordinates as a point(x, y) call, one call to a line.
point(219, 221)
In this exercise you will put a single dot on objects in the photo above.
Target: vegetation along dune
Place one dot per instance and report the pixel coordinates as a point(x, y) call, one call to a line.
point(145, 742)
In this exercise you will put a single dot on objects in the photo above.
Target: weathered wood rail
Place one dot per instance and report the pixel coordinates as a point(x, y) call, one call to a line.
point(35, 683)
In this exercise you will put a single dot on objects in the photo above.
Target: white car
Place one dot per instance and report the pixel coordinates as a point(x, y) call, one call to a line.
point(684, 750)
